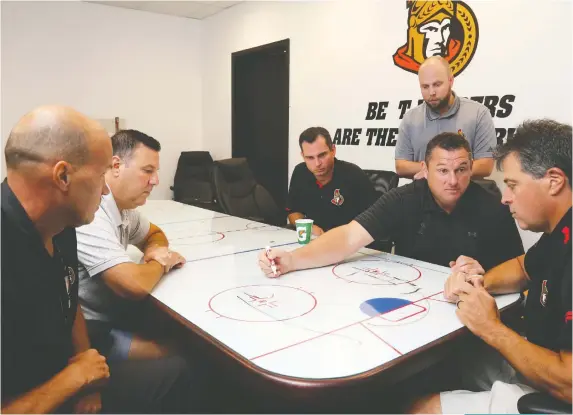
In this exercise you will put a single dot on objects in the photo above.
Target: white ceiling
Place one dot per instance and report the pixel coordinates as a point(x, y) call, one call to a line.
point(191, 9)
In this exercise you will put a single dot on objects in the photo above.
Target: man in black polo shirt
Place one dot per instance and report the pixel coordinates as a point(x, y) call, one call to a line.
point(537, 170)
point(56, 159)
point(445, 220)
point(329, 191)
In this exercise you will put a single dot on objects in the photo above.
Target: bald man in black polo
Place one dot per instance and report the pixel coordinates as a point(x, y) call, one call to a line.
point(56, 162)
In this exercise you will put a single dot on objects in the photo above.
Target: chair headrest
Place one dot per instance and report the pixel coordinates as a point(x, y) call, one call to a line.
point(235, 169)
point(383, 180)
point(237, 175)
point(490, 186)
point(195, 157)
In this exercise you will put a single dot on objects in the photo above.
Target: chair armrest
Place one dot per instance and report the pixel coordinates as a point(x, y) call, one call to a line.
point(542, 403)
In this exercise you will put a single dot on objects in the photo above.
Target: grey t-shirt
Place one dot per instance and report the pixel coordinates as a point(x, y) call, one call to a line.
point(102, 245)
point(466, 116)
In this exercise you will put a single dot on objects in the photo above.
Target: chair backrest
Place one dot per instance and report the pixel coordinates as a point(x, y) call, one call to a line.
point(383, 180)
point(193, 182)
point(240, 195)
point(490, 186)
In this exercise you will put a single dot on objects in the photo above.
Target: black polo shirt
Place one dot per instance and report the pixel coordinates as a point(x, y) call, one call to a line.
point(479, 227)
point(37, 311)
point(548, 304)
point(349, 193)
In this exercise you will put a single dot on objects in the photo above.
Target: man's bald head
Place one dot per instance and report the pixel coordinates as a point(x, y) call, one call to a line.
point(436, 81)
point(57, 159)
point(51, 134)
point(436, 63)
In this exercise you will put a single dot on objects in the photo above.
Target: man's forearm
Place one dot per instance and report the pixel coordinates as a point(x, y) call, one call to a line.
point(482, 168)
point(408, 169)
point(293, 217)
point(544, 368)
point(332, 247)
point(149, 274)
point(45, 398)
point(156, 239)
point(80, 338)
point(508, 277)
point(134, 281)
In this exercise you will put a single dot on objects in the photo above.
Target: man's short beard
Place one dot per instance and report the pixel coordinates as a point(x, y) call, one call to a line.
point(443, 103)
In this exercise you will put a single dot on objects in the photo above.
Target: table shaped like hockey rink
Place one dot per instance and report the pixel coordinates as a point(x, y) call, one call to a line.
point(326, 323)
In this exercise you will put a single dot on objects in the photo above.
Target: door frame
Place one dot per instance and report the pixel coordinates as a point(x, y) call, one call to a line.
point(284, 43)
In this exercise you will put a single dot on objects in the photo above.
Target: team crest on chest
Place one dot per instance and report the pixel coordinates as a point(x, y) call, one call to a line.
point(544, 292)
point(338, 199)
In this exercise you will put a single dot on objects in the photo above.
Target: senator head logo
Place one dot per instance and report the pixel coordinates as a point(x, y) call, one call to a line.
point(438, 28)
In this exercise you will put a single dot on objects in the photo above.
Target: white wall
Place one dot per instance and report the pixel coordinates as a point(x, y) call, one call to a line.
point(106, 62)
point(171, 77)
point(341, 59)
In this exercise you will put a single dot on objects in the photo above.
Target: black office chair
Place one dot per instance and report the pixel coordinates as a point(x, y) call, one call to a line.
point(193, 184)
point(240, 195)
point(383, 181)
point(490, 186)
point(542, 403)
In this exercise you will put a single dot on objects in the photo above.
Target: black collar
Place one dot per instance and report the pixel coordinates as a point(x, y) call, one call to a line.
point(560, 239)
point(320, 186)
point(430, 205)
point(334, 169)
point(16, 214)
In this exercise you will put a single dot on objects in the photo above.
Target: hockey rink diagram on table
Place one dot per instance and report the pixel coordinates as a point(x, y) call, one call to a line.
point(193, 232)
point(198, 233)
point(321, 323)
point(261, 304)
point(207, 238)
point(161, 212)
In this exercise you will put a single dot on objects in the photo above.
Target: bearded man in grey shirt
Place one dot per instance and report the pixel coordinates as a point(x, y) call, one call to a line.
point(443, 111)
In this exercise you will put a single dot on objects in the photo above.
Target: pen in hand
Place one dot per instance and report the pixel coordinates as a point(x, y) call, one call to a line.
point(273, 265)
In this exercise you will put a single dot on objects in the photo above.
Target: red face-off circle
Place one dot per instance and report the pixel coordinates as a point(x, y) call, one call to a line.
point(262, 303)
point(376, 272)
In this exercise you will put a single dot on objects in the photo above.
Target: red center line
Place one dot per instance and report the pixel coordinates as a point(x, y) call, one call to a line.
point(338, 329)
point(381, 339)
point(305, 340)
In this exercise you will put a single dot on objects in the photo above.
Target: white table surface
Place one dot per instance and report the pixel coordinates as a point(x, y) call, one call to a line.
point(324, 323)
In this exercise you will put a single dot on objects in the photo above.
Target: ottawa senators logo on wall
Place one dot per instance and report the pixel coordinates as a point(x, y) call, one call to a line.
point(438, 28)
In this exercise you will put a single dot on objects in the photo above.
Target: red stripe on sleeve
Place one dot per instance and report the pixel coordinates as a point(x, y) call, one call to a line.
point(568, 316)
